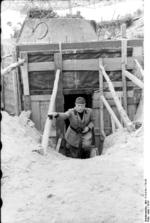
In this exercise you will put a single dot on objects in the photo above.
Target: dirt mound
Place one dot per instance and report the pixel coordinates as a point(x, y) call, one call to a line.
point(57, 189)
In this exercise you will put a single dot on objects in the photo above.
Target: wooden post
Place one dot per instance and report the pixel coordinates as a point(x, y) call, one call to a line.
point(124, 62)
point(133, 78)
point(111, 112)
point(48, 123)
point(2, 93)
point(140, 69)
point(15, 87)
point(59, 98)
point(58, 144)
point(121, 111)
point(100, 102)
point(25, 79)
point(139, 113)
point(112, 125)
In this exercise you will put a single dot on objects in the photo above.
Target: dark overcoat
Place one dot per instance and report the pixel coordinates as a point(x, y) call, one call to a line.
point(71, 136)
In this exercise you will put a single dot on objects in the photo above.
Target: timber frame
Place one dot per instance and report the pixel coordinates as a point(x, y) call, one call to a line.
point(110, 64)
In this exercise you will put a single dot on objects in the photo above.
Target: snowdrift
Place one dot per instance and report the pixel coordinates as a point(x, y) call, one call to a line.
point(57, 189)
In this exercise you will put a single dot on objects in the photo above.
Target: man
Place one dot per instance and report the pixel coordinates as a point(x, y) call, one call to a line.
point(79, 135)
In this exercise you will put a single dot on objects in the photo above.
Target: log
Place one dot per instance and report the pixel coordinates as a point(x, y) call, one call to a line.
point(139, 68)
point(48, 124)
point(58, 144)
point(133, 78)
point(12, 66)
point(123, 114)
point(111, 112)
point(138, 118)
point(113, 125)
point(101, 102)
point(123, 64)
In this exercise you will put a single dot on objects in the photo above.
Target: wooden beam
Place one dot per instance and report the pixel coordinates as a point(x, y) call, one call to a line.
point(2, 93)
point(110, 64)
point(40, 66)
point(12, 67)
point(111, 112)
point(139, 112)
point(48, 123)
point(139, 68)
point(100, 102)
point(133, 78)
point(25, 80)
point(121, 111)
point(78, 45)
point(59, 98)
point(24, 74)
point(58, 144)
point(16, 93)
point(123, 64)
point(113, 125)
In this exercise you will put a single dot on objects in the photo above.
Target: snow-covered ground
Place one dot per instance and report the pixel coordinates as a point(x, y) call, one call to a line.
point(57, 189)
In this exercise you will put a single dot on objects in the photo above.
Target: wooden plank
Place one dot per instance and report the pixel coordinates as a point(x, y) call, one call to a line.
point(24, 74)
point(86, 64)
point(40, 97)
point(78, 45)
point(121, 111)
point(58, 144)
point(111, 112)
point(16, 93)
point(26, 102)
point(48, 124)
point(25, 80)
point(110, 64)
point(100, 99)
point(135, 80)
point(59, 98)
point(40, 66)
point(112, 103)
point(37, 47)
point(140, 70)
point(113, 125)
point(2, 93)
point(35, 114)
point(123, 65)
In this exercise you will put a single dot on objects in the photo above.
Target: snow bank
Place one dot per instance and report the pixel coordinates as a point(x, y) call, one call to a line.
point(54, 188)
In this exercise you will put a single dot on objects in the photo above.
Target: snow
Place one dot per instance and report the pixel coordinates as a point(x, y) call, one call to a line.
point(57, 189)
point(98, 12)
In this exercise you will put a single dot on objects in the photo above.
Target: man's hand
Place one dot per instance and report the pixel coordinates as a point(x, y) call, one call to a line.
point(53, 115)
point(85, 130)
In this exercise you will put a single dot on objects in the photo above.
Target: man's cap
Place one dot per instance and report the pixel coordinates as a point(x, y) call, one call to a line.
point(80, 100)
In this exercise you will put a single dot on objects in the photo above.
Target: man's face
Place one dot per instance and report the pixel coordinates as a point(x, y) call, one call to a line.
point(79, 107)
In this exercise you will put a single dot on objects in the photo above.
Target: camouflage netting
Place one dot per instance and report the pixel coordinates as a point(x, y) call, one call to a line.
point(41, 13)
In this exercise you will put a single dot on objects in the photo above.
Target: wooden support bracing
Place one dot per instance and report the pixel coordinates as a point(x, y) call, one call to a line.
point(138, 118)
point(139, 68)
point(133, 78)
point(59, 98)
point(111, 112)
point(124, 63)
point(121, 111)
point(101, 103)
point(25, 80)
point(48, 123)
